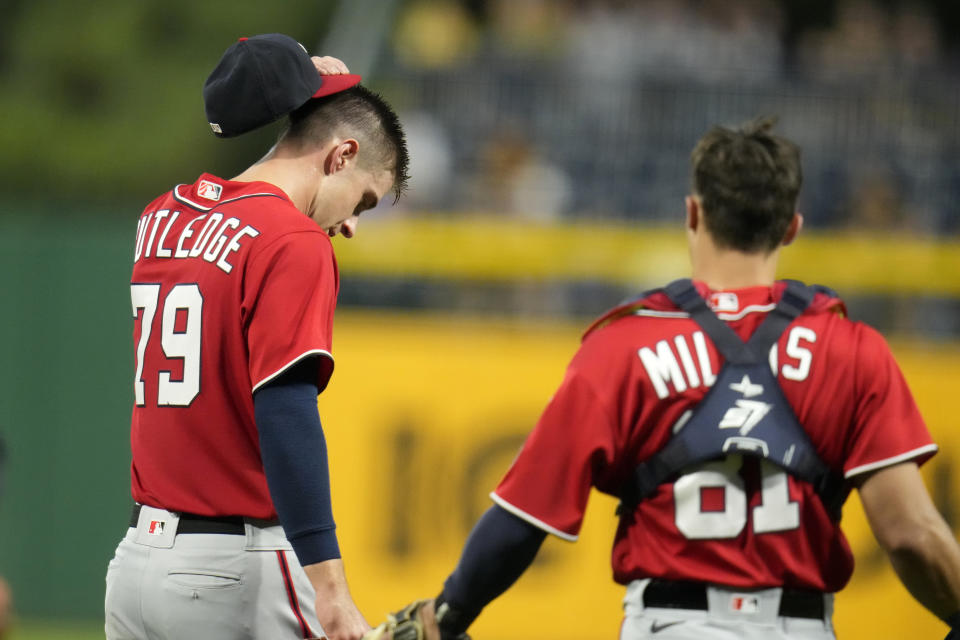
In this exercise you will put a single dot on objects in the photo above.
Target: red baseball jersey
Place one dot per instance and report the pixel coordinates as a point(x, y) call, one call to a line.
point(738, 522)
point(231, 286)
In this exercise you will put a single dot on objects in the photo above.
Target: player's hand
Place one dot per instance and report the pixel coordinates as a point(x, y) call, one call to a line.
point(416, 621)
point(340, 618)
point(329, 66)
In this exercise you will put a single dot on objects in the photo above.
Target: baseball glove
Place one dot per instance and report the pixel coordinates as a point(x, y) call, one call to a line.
point(409, 624)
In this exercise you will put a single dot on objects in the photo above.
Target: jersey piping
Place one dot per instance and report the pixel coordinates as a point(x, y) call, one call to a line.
point(887, 462)
point(540, 524)
point(292, 597)
point(200, 207)
point(755, 308)
point(297, 359)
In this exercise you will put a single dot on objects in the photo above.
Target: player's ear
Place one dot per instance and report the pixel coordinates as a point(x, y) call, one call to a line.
point(693, 213)
point(793, 229)
point(340, 156)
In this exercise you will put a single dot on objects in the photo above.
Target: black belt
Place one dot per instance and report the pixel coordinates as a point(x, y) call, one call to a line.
point(665, 594)
point(192, 523)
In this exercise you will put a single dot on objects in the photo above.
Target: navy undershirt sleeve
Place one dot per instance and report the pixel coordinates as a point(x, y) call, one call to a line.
point(294, 454)
point(499, 549)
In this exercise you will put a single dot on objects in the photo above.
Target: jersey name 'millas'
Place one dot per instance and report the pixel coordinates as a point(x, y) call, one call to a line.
point(214, 242)
point(674, 361)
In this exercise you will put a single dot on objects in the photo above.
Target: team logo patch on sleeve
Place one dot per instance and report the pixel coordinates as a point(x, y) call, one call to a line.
point(209, 190)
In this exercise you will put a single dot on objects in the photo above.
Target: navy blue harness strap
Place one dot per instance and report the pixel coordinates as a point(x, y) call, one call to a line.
point(794, 301)
point(683, 294)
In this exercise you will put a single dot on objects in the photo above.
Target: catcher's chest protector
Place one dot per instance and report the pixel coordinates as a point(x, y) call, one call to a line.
point(745, 412)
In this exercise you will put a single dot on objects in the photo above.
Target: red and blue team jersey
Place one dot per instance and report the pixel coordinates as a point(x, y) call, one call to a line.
point(737, 522)
point(231, 286)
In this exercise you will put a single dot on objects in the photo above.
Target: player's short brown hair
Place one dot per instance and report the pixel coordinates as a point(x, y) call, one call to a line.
point(748, 180)
point(360, 113)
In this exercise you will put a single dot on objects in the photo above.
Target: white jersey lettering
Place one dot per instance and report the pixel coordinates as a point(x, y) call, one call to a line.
point(671, 361)
point(216, 241)
point(687, 360)
point(141, 235)
point(234, 245)
point(160, 215)
point(186, 233)
point(205, 234)
point(802, 355)
point(706, 370)
point(163, 252)
point(662, 367)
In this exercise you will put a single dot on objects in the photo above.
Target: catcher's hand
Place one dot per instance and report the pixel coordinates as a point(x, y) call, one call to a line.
point(416, 621)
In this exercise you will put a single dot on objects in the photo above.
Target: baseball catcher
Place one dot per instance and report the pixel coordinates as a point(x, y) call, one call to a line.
point(732, 414)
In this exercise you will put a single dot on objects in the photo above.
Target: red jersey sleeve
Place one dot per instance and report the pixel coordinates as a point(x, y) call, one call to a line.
point(290, 292)
point(888, 427)
point(574, 441)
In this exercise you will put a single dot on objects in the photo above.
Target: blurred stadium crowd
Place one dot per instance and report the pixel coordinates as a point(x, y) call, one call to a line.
point(589, 108)
point(549, 109)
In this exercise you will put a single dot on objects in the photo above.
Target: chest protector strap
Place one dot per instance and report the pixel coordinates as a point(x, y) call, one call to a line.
point(745, 412)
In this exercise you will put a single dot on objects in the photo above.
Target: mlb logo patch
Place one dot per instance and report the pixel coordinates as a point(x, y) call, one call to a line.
point(724, 302)
point(209, 190)
point(155, 528)
point(744, 603)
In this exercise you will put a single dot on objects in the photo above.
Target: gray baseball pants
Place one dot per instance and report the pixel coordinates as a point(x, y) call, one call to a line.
point(755, 617)
point(164, 586)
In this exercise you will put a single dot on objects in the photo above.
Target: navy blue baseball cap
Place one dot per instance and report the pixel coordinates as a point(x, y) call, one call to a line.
point(261, 79)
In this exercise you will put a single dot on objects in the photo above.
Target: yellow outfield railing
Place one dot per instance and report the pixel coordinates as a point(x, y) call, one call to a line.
point(497, 249)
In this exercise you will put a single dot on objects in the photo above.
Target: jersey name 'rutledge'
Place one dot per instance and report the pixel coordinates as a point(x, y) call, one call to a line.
point(216, 240)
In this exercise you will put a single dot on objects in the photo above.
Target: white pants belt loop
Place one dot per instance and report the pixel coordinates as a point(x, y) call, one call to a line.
point(265, 538)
